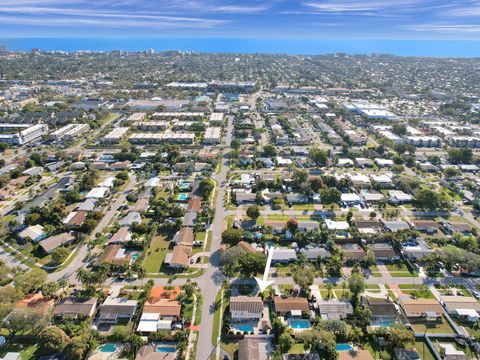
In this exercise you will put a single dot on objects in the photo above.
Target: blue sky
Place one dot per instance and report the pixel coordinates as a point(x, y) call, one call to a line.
point(309, 19)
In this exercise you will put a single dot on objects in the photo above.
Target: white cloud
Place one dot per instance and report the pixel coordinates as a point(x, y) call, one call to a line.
point(445, 28)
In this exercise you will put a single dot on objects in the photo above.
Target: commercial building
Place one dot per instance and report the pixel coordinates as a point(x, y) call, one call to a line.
point(217, 118)
point(151, 125)
point(178, 115)
point(116, 135)
point(30, 134)
point(175, 138)
point(212, 135)
point(69, 131)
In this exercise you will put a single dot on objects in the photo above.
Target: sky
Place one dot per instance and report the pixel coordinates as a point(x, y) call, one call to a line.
point(247, 19)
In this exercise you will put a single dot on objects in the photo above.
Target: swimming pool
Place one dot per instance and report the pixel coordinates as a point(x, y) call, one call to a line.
point(383, 323)
point(165, 349)
point(135, 256)
point(343, 347)
point(182, 196)
point(108, 348)
point(299, 323)
point(242, 327)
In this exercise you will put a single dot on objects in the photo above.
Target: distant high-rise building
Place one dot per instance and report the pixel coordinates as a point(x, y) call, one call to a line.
point(151, 51)
point(3, 49)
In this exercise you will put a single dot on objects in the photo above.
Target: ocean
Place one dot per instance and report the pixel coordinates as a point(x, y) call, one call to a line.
point(423, 48)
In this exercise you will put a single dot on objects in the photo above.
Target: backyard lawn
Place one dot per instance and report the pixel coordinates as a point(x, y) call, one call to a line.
point(27, 351)
point(437, 328)
point(159, 246)
point(423, 350)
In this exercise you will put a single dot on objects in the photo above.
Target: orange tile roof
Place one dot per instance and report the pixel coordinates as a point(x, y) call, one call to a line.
point(160, 292)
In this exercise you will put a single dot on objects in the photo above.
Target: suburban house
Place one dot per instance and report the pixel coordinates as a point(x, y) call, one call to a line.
point(115, 308)
point(123, 235)
point(132, 217)
point(334, 309)
point(116, 255)
point(283, 255)
point(277, 226)
point(295, 306)
point(160, 309)
point(460, 227)
point(149, 352)
point(398, 197)
point(194, 204)
point(421, 310)
point(75, 218)
point(353, 252)
point(462, 307)
point(404, 354)
point(384, 252)
point(255, 347)
point(418, 250)
point(368, 226)
point(395, 225)
point(179, 257)
point(383, 310)
point(76, 308)
point(33, 233)
point(315, 253)
point(339, 228)
point(425, 226)
point(246, 308)
point(53, 242)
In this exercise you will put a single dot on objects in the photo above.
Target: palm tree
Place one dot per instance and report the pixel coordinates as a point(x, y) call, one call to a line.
point(189, 288)
point(329, 287)
point(344, 287)
point(81, 275)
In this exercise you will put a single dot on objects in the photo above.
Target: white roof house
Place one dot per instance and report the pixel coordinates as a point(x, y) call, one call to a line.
point(383, 162)
point(107, 183)
point(148, 322)
point(350, 198)
point(359, 179)
point(336, 225)
point(345, 162)
point(34, 233)
point(381, 179)
point(97, 193)
point(399, 196)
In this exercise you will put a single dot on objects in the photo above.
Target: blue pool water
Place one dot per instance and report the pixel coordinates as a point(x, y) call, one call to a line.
point(243, 327)
point(299, 323)
point(182, 197)
point(166, 349)
point(135, 256)
point(108, 348)
point(383, 323)
point(343, 347)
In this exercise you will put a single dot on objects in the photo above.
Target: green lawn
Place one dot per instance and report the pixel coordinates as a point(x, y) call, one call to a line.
point(297, 349)
point(27, 351)
point(155, 255)
point(198, 313)
point(423, 350)
point(400, 270)
point(440, 328)
point(216, 316)
point(200, 236)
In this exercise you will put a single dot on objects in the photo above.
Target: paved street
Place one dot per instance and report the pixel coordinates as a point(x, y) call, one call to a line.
point(211, 281)
point(78, 261)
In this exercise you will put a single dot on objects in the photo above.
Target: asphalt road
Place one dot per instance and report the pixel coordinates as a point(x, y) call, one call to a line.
point(78, 261)
point(211, 281)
